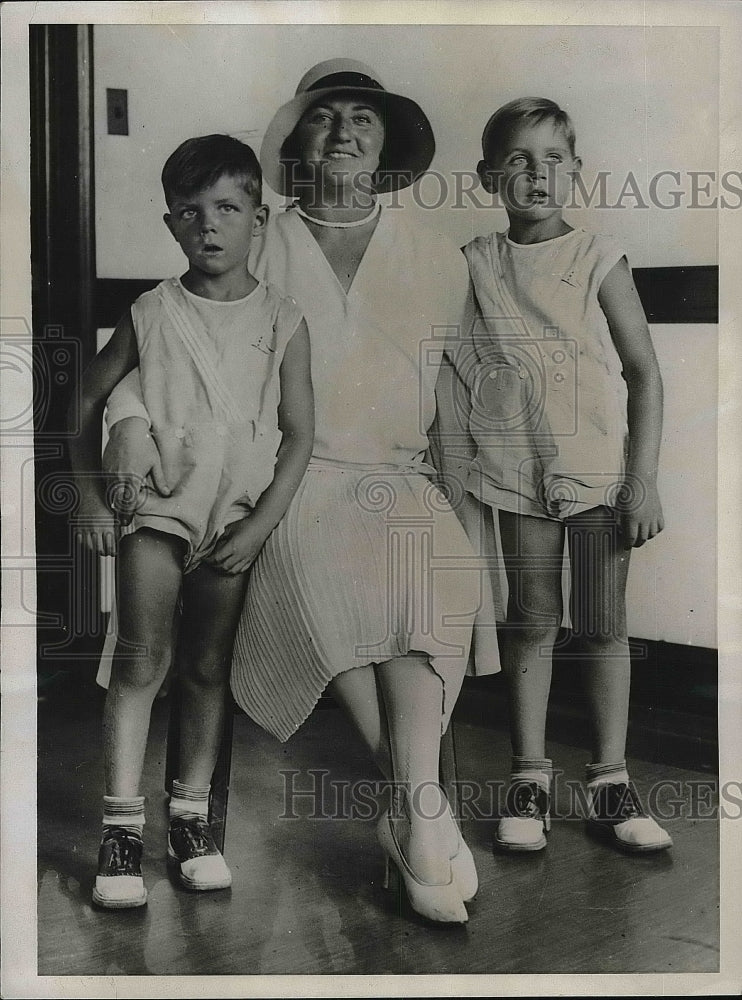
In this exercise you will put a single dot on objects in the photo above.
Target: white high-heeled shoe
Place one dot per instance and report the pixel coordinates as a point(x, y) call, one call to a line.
point(440, 902)
point(463, 868)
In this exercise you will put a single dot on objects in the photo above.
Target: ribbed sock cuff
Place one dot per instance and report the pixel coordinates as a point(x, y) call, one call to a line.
point(189, 799)
point(602, 774)
point(119, 810)
point(536, 769)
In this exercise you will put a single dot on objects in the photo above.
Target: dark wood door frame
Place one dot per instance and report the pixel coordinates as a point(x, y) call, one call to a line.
point(69, 628)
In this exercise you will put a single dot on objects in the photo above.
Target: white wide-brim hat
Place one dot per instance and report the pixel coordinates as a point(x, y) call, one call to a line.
point(409, 144)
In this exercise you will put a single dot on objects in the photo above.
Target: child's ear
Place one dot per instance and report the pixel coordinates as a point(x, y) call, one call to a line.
point(260, 221)
point(576, 164)
point(168, 220)
point(488, 176)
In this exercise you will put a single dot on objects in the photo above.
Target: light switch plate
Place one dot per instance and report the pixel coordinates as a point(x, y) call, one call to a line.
point(117, 102)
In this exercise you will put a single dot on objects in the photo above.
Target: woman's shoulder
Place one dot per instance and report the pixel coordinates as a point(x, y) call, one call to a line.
point(269, 253)
point(432, 247)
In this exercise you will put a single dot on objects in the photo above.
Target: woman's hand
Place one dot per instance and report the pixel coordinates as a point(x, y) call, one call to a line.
point(238, 547)
point(641, 515)
point(96, 526)
point(129, 457)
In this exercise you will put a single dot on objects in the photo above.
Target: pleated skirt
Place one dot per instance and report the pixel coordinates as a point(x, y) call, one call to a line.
point(366, 565)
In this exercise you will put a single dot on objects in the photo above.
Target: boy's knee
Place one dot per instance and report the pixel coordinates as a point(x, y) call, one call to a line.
point(144, 669)
point(535, 628)
point(602, 640)
point(205, 672)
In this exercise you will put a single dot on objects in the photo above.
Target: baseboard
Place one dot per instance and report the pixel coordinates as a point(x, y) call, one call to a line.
point(673, 712)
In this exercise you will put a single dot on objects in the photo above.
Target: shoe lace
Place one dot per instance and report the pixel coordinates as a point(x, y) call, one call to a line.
point(617, 802)
point(527, 799)
point(197, 835)
point(125, 850)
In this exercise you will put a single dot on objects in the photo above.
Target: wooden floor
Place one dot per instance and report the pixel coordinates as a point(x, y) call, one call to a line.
point(307, 895)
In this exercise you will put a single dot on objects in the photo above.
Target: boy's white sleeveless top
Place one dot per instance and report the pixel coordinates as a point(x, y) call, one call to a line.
point(369, 562)
point(209, 375)
point(549, 413)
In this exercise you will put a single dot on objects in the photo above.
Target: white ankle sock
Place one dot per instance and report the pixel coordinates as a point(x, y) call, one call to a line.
point(126, 811)
point(189, 799)
point(606, 774)
point(536, 769)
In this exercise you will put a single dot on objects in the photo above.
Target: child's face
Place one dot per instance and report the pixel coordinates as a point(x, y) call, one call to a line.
point(215, 227)
point(532, 171)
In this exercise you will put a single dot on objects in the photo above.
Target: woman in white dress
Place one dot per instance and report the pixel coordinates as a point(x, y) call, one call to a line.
point(368, 586)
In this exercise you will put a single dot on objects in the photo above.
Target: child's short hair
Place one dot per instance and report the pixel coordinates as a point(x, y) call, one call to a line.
point(198, 163)
point(529, 110)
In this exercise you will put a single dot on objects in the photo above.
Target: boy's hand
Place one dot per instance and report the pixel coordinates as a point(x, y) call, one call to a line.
point(129, 457)
point(96, 526)
point(238, 547)
point(642, 517)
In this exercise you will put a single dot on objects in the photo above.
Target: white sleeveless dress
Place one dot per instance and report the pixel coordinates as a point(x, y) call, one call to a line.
point(549, 400)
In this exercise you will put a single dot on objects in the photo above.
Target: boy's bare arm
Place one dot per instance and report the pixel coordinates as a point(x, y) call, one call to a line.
point(118, 357)
point(618, 298)
point(239, 545)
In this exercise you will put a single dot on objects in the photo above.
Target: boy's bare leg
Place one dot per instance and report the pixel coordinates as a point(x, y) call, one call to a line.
point(212, 604)
point(599, 566)
point(149, 565)
point(149, 580)
point(532, 549)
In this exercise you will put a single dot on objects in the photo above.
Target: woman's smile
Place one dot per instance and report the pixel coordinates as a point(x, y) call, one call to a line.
point(341, 132)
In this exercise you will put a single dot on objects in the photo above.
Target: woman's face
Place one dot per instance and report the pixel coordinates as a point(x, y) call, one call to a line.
point(339, 140)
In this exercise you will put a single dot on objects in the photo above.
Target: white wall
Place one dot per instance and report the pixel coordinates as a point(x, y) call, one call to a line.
point(672, 583)
point(643, 100)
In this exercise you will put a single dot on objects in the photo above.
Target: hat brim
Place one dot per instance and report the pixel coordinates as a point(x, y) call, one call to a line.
point(409, 144)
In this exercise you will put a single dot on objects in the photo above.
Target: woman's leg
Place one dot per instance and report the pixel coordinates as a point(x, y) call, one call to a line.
point(413, 696)
point(212, 604)
point(357, 693)
point(599, 568)
point(149, 579)
point(532, 551)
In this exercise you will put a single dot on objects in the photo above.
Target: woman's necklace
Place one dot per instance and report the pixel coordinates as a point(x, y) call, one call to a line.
point(339, 225)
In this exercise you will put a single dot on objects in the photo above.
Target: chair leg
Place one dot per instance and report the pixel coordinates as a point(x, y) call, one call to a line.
point(220, 781)
point(448, 771)
point(173, 735)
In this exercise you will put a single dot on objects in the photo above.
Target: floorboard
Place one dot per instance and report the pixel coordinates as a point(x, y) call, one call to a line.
point(307, 895)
